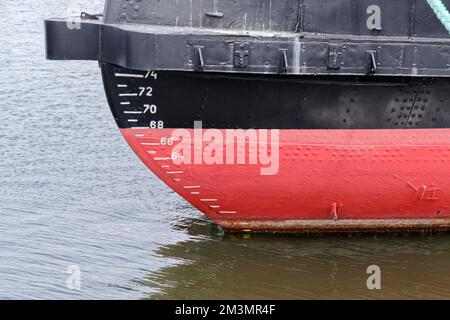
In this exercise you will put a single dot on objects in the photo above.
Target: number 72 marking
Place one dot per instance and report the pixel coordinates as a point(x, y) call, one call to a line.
point(148, 91)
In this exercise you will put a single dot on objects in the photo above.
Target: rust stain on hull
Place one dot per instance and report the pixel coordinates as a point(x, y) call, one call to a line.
point(330, 226)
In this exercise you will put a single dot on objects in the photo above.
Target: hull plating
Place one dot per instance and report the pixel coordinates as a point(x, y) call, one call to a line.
point(327, 180)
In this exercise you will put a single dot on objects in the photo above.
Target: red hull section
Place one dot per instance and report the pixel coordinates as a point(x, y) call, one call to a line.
point(339, 180)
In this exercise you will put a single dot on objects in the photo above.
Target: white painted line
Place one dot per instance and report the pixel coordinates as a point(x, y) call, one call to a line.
point(132, 112)
point(214, 207)
point(132, 120)
point(228, 212)
point(151, 152)
point(195, 193)
point(176, 180)
point(175, 172)
point(139, 128)
point(122, 86)
point(149, 144)
point(209, 200)
point(139, 135)
point(165, 167)
point(162, 159)
point(128, 94)
point(126, 103)
point(192, 187)
point(129, 75)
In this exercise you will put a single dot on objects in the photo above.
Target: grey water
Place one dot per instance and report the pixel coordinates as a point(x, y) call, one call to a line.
point(73, 194)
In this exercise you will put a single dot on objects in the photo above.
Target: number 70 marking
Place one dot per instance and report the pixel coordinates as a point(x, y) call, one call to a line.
point(150, 108)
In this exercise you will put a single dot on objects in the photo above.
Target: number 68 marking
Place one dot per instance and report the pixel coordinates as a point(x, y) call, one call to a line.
point(156, 124)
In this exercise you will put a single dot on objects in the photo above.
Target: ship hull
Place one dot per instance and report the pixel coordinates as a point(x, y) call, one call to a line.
point(305, 154)
point(321, 116)
point(327, 180)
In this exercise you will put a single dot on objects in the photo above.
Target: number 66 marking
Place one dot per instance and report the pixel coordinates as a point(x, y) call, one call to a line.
point(166, 142)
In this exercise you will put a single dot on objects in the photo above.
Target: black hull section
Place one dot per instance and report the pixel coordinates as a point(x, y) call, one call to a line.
point(231, 101)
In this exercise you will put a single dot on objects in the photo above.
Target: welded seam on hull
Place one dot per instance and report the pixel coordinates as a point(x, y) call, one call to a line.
point(412, 106)
point(296, 56)
point(413, 18)
point(299, 24)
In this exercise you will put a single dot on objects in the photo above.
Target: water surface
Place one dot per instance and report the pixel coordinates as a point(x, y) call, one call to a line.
point(73, 193)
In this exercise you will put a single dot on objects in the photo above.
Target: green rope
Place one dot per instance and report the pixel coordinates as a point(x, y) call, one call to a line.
point(441, 12)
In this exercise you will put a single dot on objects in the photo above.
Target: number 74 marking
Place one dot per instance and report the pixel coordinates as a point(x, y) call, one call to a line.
point(152, 74)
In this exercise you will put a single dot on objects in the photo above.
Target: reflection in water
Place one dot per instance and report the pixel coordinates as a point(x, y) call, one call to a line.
point(213, 266)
